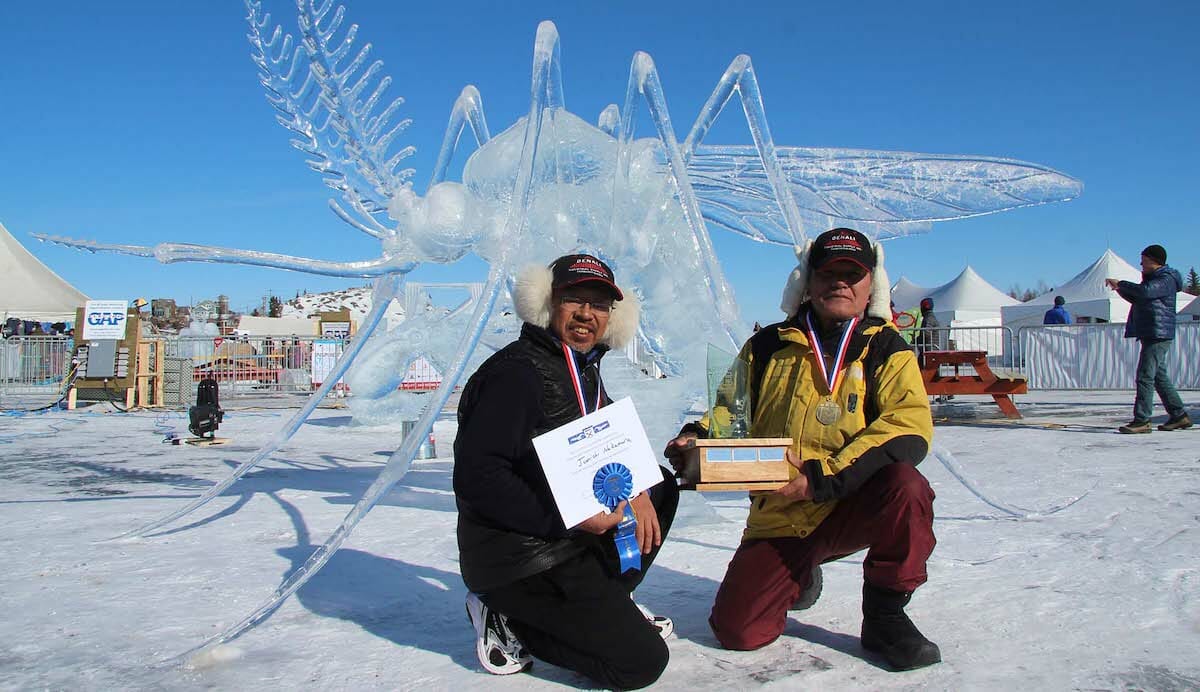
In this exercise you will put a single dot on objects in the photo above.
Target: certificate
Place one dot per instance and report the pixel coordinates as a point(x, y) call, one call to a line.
point(572, 454)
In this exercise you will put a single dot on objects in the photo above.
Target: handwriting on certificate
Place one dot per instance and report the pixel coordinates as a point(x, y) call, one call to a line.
point(572, 454)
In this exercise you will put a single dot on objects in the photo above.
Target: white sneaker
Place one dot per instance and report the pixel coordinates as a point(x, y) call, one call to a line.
point(498, 649)
point(662, 623)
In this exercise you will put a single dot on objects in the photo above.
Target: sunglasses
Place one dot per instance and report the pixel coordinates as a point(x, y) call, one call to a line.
point(850, 274)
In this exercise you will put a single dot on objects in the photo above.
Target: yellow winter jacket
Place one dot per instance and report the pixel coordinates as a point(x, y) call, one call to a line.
point(884, 419)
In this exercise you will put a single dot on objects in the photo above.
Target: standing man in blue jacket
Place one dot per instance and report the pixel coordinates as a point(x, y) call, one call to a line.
point(1057, 314)
point(1152, 322)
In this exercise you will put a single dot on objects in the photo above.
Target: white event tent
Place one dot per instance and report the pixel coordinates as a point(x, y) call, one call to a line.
point(29, 289)
point(907, 295)
point(1088, 299)
point(1190, 312)
point(969, 298)
point(970, 307)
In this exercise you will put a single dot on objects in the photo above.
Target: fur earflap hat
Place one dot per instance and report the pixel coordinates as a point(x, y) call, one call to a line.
point(839, 244)
point(535, 284)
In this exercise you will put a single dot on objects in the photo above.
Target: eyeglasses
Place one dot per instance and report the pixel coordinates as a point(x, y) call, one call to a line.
point(576, 303)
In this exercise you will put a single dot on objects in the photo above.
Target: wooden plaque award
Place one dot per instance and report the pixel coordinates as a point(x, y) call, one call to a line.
point(729, 459)
point(747, 464)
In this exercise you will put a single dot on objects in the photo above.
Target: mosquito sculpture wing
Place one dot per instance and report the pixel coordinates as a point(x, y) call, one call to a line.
point(893, 193)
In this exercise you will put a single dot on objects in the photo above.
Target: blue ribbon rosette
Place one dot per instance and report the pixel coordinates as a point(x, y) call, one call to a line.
point(612, 484)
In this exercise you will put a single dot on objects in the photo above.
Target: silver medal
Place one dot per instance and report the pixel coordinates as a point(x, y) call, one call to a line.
point(828, 412)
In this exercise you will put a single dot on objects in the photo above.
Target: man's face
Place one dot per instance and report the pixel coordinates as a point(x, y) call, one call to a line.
point(579, 315)
point(840, 290)
point(1149, 265)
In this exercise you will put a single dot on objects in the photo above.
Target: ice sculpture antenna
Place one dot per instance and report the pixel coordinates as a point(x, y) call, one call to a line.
point(550, 184)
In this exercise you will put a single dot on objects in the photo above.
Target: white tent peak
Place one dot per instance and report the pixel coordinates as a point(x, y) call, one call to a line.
point(1089, 283)
point(906, 294)
point(29, 289)
point(969, 292)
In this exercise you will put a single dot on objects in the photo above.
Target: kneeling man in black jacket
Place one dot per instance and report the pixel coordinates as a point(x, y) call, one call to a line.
point(536, 586)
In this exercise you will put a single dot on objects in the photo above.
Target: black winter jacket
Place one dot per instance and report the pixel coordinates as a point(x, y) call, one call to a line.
point(508, 524)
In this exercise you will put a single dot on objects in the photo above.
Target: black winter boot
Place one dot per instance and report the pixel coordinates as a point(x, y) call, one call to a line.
point(888, 631)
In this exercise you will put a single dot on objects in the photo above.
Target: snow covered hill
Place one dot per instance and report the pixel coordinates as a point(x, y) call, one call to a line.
point(357, 300)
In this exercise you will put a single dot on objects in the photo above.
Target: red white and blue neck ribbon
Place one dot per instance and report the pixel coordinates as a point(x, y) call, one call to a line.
point(577, 382)
point(612, 483)
point(830, 376)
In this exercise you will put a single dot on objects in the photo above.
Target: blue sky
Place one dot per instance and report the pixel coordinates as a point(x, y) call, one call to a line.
point(141, 122)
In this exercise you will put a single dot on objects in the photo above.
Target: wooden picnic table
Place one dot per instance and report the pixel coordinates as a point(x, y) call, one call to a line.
point(982, 381)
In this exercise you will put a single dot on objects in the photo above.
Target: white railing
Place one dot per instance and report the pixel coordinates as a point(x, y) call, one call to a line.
point(1098, 356)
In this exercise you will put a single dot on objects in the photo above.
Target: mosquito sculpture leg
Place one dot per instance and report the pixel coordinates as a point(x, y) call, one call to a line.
point(644, 84)
point(169, 253)
point(545, 89)
point(739, 78)
point(467, 109)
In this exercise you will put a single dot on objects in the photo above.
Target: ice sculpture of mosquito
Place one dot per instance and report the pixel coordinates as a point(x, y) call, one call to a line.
point(551, 184)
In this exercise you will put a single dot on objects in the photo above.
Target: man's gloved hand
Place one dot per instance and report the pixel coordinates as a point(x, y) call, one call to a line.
point(685, 461)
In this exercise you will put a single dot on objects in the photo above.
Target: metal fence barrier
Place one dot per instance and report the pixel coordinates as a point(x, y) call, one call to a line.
point(253, 365)
point(33, 370)
point(997, 341)
point(36, 369)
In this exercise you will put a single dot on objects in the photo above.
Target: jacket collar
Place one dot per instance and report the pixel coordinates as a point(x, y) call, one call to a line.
point(795, 330)
point(545, 340)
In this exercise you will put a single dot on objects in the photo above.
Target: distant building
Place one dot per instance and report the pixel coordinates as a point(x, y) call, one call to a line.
point(163, 308)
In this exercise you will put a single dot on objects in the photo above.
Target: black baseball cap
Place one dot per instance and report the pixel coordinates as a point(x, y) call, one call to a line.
point(573, 270)
point(842, 244)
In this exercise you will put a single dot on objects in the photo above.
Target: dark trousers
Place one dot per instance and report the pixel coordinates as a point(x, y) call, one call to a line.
point(891, 515)
point(579, 614)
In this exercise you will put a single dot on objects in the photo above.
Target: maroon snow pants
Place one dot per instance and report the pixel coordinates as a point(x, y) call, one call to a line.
point(891, 515)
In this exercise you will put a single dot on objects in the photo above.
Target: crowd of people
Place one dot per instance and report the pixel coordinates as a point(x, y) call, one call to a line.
point(15, 326)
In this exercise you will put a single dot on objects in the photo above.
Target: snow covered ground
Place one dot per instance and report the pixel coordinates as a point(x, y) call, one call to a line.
point(1104, 594)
